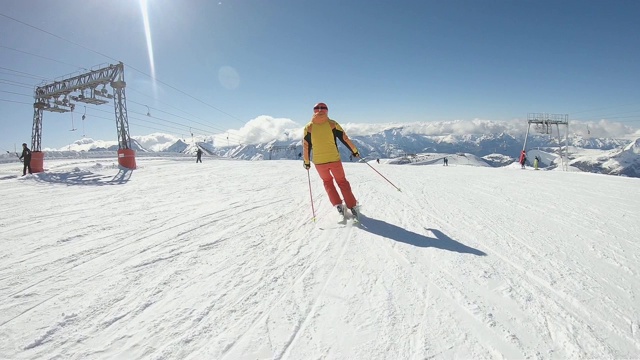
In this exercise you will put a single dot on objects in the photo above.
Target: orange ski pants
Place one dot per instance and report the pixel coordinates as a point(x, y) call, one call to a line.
point(334, 171)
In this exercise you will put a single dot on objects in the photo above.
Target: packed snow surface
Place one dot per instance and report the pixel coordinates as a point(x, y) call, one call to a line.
point(223, 260)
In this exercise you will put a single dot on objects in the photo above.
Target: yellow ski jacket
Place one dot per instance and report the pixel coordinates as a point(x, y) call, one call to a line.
point(322, 140)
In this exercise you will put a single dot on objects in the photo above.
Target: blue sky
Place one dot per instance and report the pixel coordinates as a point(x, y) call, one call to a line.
point(220, 64)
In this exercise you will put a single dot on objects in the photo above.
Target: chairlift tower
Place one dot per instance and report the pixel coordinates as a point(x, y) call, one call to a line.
point(61, 96)
point(544, 125)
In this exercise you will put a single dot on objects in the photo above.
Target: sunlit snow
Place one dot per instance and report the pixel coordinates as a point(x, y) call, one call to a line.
point(222, 260)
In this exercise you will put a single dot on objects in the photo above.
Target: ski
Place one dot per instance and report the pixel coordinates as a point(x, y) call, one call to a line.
point(346, 218)
point(342, 214)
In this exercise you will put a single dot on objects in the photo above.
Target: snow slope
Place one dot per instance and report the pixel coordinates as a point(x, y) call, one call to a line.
point(221, 260)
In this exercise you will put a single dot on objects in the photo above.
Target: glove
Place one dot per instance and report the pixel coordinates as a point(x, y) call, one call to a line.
point(306, 166)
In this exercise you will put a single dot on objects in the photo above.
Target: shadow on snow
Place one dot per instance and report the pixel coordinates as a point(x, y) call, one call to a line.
point(85, 178)
point(440, 241)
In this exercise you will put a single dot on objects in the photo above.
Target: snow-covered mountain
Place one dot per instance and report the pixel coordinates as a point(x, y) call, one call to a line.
point(494, 149)
point(392, 142)
point(624, 161)
point(89, 144)
point(609, 155)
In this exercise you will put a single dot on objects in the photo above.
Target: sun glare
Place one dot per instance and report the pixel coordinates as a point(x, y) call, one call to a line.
point(147, 32)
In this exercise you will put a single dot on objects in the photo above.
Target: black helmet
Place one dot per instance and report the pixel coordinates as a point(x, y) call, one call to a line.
point(24, 144)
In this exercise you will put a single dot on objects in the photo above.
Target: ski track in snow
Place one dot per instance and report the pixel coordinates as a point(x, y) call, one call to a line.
point(221, 260)
point(569, 306)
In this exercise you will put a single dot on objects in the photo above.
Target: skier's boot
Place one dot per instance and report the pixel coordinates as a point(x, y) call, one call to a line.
point(343, 218)
point(354, 212)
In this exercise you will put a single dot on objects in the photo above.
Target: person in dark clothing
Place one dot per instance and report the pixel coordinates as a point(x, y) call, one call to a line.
point(446, 161)
point(26, 159)
point(199, 156)
point(378, 160)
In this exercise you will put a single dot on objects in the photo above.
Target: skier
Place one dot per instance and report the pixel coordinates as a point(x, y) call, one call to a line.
point(446, 161)
point(536, 160)
point(378, 160)
point(26, 159)
point(199, 156)
point(320, 136)
point(523, 158)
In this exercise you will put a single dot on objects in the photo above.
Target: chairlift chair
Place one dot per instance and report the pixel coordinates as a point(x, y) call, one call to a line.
point(84, 117)
point(72, 126)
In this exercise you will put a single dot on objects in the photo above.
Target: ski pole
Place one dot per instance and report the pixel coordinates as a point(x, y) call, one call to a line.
point(374, 169)
point(18, 156)
point(313, 210)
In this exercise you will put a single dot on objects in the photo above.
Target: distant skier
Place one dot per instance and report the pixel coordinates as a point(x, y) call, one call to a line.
point(378, 160)
point(199, 156)
point(26, 159)
point(536, 161)
point(523, 158)
point(320, 137)
point(446, 161)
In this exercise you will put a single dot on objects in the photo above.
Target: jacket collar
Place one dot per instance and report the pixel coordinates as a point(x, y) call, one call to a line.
point(320, 118)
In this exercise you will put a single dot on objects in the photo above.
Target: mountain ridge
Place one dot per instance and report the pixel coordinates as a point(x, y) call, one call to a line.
point(615, 156)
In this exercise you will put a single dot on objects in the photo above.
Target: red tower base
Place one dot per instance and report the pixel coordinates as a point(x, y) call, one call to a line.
point(127, 158)
point(37, 161)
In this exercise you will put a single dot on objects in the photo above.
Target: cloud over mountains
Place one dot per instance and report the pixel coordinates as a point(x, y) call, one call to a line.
point(266, 129)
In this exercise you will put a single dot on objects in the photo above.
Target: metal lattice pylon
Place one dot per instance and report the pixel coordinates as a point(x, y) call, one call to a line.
point(544, 124)
point(60, 96)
